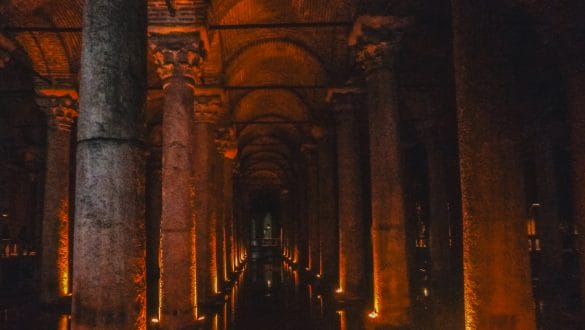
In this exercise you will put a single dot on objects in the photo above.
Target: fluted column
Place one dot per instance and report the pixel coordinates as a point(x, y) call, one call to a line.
point(352, 253)
point(492, 187)
point(109, 243)
point(207, 108)
point(178, 56)
point(61, 109)
point(377, 40)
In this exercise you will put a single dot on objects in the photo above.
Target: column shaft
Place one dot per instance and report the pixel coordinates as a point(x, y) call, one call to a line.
point(55, 277)
point(350, 203)
point(492, 186)
point(109, 264)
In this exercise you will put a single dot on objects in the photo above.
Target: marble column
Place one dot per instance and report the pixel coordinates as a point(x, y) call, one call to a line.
point(497, 279)
point(178, 56)
point(61, 109)
point(377, 40)
point(109, 239)
point(352, 273)
point(207, 109)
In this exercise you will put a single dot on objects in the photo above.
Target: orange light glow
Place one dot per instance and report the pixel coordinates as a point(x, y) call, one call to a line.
point(64, 321)
point(63, 248)
point(342, 320)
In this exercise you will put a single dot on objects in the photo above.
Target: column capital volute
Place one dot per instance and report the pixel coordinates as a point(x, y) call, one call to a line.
point(345, 99)
point(209, 105)
point(376, 39)
point(227, 142)
point(178, 55)
point(60, 105)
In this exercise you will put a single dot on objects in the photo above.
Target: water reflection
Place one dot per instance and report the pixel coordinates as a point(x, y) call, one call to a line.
point(266, 295)
point(273, 295)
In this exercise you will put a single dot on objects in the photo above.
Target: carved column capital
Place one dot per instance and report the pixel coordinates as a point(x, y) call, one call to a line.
point(345, 99)
point(227, 142)
point(178, 55)
point(60, 105)
point(376, 40)
point(208, 108)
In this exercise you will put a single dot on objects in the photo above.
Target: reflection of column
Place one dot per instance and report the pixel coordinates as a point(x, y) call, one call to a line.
point(492, 186)
point(61, 110)
point(207, 109)
point(345, 103)
point(178, 57)
point(377, 38)
point(109, 266)
point(312, 204)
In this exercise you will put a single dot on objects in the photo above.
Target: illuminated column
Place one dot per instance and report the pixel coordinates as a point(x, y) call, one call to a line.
point(207, 109)
point(497, 281)
point(445, 269)
point(345, 103)
point(60, 106)
point(312, 205)
point(377, 39)
point(109, 240)
point(178, 57)
point(228, 150)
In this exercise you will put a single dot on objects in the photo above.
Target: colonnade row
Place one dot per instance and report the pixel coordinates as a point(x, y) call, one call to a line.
point(110, 243)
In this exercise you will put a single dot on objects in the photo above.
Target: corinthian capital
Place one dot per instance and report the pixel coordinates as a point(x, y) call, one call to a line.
point(376, 40)
point(208, 108)
point(178, 55)
point(60, 105)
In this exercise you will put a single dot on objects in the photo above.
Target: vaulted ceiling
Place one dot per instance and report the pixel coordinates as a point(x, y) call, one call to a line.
point(274, 59)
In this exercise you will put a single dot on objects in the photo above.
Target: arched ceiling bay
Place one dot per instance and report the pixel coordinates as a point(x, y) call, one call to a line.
point(284, 103)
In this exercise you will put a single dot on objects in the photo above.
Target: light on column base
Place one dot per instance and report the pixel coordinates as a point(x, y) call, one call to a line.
point(154, 320)
point(339, 290)
point(373, 314)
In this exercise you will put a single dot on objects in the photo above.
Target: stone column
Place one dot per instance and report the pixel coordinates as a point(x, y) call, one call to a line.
point(61, 109)
point(207, 108)
point(492, 186)
point(153, 217)
point(345, 103)
point(377, 40)
point(447, 306)
point(575, 78)
point(109, 240)
point(178, 56)
point(328, 231)
point(228, 149)
point(311, 155)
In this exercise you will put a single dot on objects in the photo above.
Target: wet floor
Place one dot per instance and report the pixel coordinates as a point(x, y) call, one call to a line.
point(268, 295)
